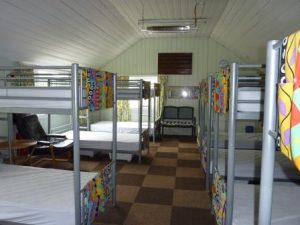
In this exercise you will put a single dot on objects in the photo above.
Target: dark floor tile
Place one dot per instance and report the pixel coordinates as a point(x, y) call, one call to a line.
point(189, 163)
point(160, 196)
point(146, 160)
point(185, 183)
point(188, 150)
point(162, 170)
point(130, 179)
point(169, 144)
point(114, 215)
point(166, 155)
point(187, 139)
point(191, 216)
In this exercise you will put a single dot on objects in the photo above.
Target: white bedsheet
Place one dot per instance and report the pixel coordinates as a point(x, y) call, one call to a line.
point(51, 98)
point(38, 196)
point(103, 141)
point(122, 126)
point(248, 165)
point(285, 206)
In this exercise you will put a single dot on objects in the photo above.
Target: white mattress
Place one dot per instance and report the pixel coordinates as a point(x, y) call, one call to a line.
point(38, 196)
point(250, 94)
point(122, 126)
point(250, 107)
point(285, 208)
point(103, 141)
point(53, 98)
point(248, 165)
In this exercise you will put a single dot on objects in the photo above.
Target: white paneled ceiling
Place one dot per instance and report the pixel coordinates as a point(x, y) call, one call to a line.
point(92, 32)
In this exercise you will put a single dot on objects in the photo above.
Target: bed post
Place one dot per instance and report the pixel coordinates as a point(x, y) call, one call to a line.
point(10, 136)
point(149, 120)
point(268, 149)
point(140, 120)
point(208, 155)
point(154, 114)
point(231, 141)
point(76, 150)
point(114, 144)
point(216, 143)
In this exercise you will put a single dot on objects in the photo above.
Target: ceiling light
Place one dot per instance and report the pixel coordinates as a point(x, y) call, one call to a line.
point(169, 25)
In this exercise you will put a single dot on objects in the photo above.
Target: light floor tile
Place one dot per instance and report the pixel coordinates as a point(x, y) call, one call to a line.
point(159, 181)
point(194, 199)
point(146, 214)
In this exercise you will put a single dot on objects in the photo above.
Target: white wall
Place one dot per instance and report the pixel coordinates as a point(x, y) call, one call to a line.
point(141, 58)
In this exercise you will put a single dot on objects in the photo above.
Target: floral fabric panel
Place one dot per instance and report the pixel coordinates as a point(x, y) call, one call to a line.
point(289, 98)
point(220, 92)
point(219, 198)
point(99, 86)
point(96, 194)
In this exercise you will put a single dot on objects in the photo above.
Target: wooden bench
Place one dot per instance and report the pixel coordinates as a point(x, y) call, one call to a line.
point(178, 116)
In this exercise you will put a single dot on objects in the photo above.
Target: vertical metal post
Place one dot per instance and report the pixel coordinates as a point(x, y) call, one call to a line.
point(208, 153)
point(49, 123)
point(216, 143)
point(154, 115)
point(140, 120)
point(149, 113)
point(231, 141)
point(114, 143)
point(76, 148)
point(268, 149)
point(10, 136)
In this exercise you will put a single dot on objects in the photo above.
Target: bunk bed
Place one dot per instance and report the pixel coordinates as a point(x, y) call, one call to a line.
point(204, 128)
point(233, 181)
point(19, 94)
point(283, 68)
point(130, 90)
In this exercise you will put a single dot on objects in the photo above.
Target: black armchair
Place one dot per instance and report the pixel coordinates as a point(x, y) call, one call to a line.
point(49, 146)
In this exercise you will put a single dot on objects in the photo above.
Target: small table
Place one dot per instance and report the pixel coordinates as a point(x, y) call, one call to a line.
point(17, 144)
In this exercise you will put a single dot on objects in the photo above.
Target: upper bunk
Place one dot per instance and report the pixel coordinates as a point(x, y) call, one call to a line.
point(240, 88)
point(133, 89)
point(41, 89)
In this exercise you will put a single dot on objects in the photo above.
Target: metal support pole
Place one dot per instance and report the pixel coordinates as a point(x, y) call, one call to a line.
point(49, 115)
point(76, 138)
point(10, 136)
point(114, 143)
point(231, 141)
point(208, 153)
point(154, 115)
point(149, 115)
point(216, 143)
point(49, 123)
point(140, 120)
point(268, 149)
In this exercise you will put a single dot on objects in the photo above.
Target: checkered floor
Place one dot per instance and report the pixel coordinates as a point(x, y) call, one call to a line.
point(166, 189)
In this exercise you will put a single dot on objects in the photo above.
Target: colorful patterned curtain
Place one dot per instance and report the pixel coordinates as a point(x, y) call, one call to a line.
point(163, 80)
point(124, 113)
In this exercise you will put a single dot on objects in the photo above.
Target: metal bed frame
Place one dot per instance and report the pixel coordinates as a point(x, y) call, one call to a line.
point(269, 133)
point(233, 116)
point(205, 129)
point(136, 90)
point(155, 92)
point(76, 100)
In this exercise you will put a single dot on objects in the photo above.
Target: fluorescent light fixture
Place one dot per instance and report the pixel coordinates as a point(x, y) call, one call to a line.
point(169, 25)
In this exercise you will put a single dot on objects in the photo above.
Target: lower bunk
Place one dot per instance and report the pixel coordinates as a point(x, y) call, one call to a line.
point(285, 210)
point(93, 141)
point(31, 195)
